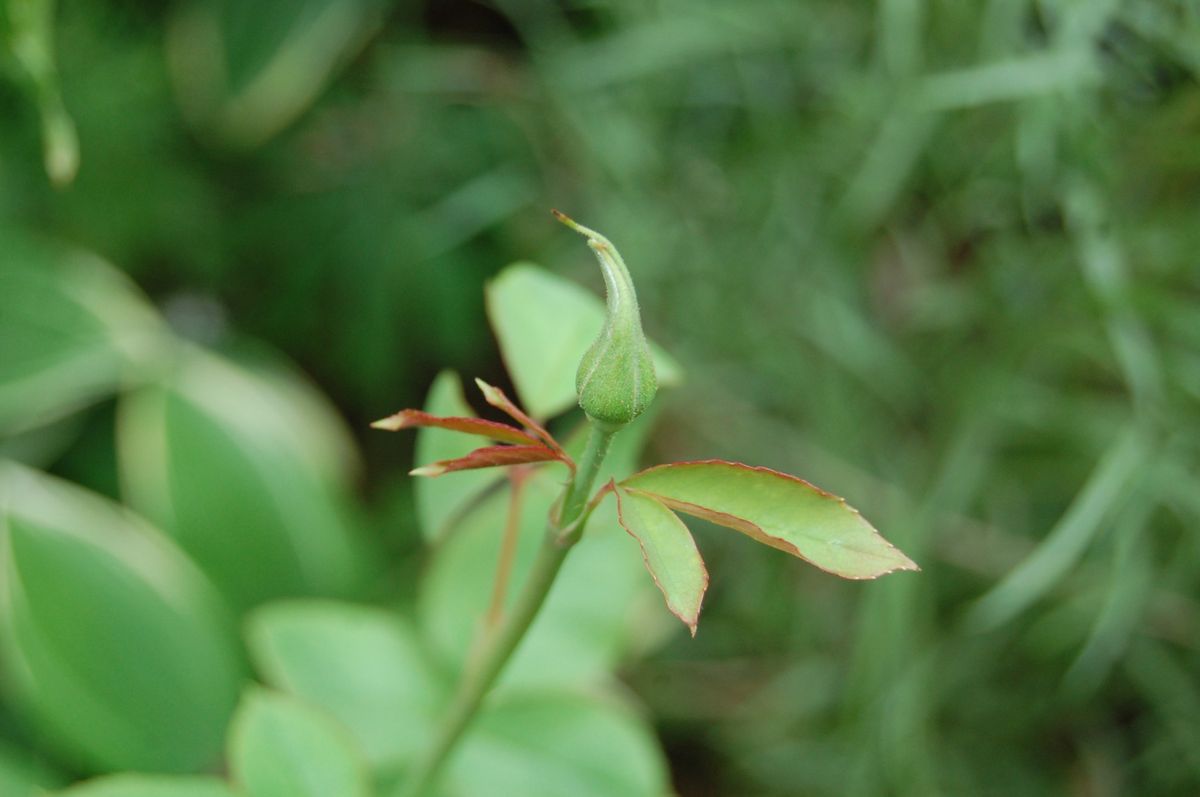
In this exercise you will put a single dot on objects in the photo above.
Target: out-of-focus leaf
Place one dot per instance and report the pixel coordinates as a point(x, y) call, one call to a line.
point(544, 324)
point(551, 745)
point(21, 776)
point(72, 328)
point(244, 71)
point(362, 665)
point(151, 786)
point(327, 441)
point(778, 510)
point(113, 643)
point(213, 455)
point(281, 747)
point(439, 500)
point(586, 623)
point(669, 552)
point(27, 30)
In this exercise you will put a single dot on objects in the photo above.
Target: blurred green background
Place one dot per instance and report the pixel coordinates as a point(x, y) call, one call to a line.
point(937, 257)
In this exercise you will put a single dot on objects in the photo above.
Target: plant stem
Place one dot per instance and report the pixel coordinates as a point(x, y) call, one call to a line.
point(508, 548)
point(599, 439)
point(478, 681)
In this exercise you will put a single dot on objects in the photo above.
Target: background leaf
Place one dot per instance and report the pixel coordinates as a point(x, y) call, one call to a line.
point(72, 329)
point(362, 664)
point(778, 510)
point(113, 643)
point(542, 348)
point(556, 744)
point(280, 747)
point(214, 455)
point(21, 775)
point(150, 786)
point(669, 553)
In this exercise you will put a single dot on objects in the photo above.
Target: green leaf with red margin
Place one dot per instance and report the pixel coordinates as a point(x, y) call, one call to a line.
point(669, 552)
point(776, 509)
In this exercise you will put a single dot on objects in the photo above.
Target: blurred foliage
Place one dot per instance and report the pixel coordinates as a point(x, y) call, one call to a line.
point(938, 257)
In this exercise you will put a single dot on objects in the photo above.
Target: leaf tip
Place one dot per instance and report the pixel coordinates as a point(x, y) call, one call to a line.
point(428, 470)
point(392, 423)
point(490, 392)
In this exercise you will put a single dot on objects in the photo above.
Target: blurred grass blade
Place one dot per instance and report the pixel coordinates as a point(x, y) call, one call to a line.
point(244, 71)
point(72, 329)
point(1106, 489)
point(544, 324)
point(1107, 274)
point(361, 664)
point(281, 747)
point(151, 786)
point(30, 37)
point(116, 646)
point(1130, 583)
point(1010, 80)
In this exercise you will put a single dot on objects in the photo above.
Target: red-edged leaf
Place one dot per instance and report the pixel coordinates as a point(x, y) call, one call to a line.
point(488, 457)
point(776, 509)
point(497, 398)
point(410, 419)
point(669, 552)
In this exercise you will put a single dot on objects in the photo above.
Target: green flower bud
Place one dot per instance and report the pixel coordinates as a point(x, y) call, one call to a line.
point(616, 380)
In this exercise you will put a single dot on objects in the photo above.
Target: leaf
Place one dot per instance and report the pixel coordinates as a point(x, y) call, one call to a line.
point(363, 665)
point(245, 71)
point(281, 747)
point(71, 329)
point(776, 509)
point(150, 786)
point(488, 457)
point(545, 324)
point(586, 623)
point(211, 455)
point(30, 31)
point(410, 419)
point(551, 745)
point(116, 647)
point(21, 775)
point(440, 500)
point(669, 552)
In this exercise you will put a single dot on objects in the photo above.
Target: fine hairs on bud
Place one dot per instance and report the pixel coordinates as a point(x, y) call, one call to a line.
point(616, 380)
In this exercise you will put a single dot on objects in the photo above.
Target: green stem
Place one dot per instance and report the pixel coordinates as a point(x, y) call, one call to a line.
point(599, 438)
point(477, 682)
